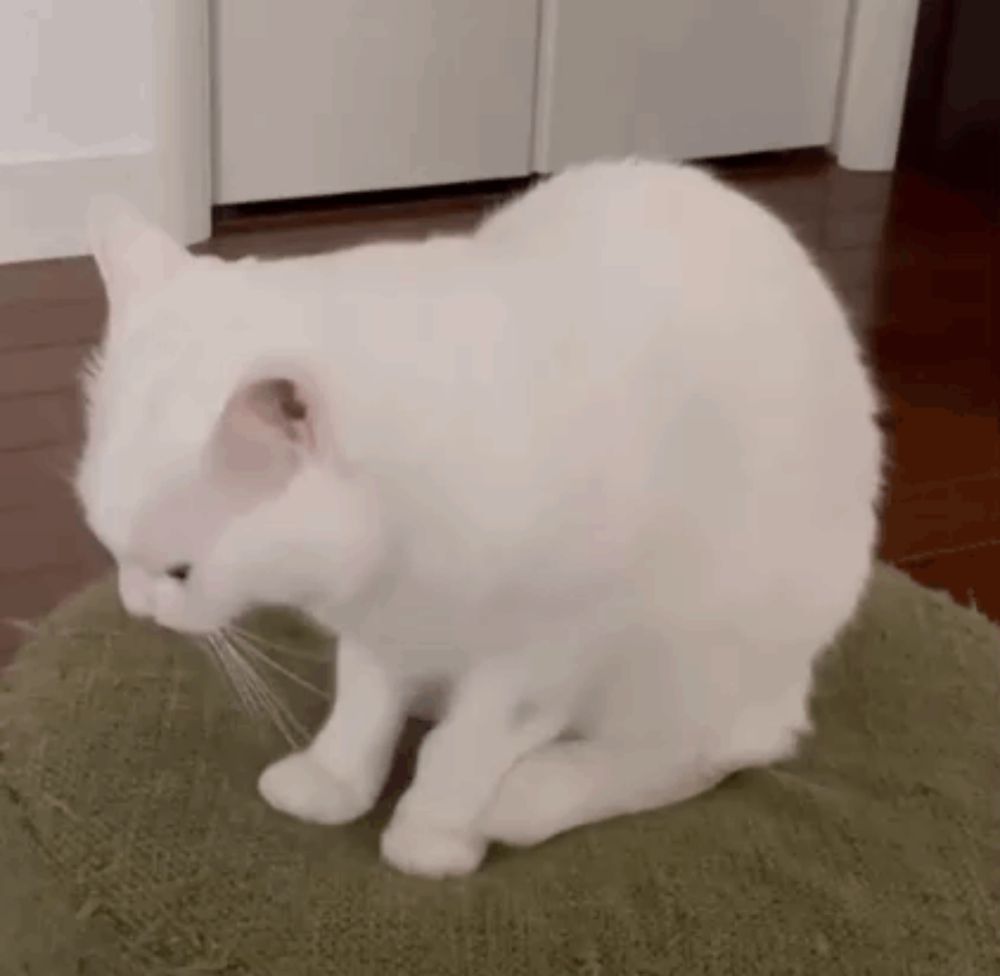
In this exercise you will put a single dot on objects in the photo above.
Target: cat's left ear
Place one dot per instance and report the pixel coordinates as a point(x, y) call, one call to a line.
point(135, 257)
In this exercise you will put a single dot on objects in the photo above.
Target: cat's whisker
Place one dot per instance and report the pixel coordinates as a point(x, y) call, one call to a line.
point(263, 696)
point(243, 681)
point(222, 658)
point(236, 670)
point(248, 647)
point(275, 709)
point(211, 650)
point(211, 653)
point(259, 640)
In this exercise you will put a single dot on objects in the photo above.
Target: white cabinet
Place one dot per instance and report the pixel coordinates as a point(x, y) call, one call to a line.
point(332, 96)
point(316, 97)
point(686, 78)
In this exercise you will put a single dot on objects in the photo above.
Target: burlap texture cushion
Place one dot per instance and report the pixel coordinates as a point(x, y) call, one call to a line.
point(132, 841)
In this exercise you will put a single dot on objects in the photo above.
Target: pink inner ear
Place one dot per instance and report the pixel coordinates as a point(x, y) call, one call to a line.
point(281, 408)
point(268, 415)
point(249, 456)
point(262, 437)
point(290, 405)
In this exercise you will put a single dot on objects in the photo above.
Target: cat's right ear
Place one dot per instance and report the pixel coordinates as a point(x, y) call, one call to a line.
point(135, 257)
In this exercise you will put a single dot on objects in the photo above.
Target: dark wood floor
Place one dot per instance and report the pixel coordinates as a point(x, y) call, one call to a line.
point(917, 266)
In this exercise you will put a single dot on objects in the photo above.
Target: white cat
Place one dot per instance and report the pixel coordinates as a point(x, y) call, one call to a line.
point(604, 472)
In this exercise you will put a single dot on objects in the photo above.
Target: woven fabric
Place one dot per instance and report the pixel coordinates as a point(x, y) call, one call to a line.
point(132, 841)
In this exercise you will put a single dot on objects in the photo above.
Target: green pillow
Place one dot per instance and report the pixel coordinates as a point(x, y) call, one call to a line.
point(132, 840)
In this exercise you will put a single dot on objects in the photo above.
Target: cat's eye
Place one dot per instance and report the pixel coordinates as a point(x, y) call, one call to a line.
point(180, 572)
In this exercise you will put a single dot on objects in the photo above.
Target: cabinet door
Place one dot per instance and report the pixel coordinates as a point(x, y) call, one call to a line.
point(332, 96)
point(686, 78)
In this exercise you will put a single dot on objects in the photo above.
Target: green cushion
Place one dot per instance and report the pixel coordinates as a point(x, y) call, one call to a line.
point(132, 840)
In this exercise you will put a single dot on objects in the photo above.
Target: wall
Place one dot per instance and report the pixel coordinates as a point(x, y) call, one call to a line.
point(95, 97)
point(67, 89)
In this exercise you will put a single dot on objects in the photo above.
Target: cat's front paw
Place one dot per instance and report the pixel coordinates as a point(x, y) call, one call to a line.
point(417, 846)
point(298, 785)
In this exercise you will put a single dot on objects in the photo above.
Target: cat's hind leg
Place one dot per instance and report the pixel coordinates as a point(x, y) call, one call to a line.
point(491, 723)
point(570, 783)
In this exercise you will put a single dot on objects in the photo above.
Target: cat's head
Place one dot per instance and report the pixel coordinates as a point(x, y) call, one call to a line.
point(210, 469)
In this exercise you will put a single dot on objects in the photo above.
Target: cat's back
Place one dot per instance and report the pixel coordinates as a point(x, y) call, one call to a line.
point(668, 244)
point(691, 314)
point(607, 207)
point(665, 260)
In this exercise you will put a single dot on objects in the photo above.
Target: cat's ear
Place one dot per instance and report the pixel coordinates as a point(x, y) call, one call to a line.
point(266, 431)
point(276, 408)
point(135, 257)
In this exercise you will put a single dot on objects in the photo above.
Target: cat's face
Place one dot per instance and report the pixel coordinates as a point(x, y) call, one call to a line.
point(207, 470)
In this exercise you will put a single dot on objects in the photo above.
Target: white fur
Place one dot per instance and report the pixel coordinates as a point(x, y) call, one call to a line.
point(603, 472)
